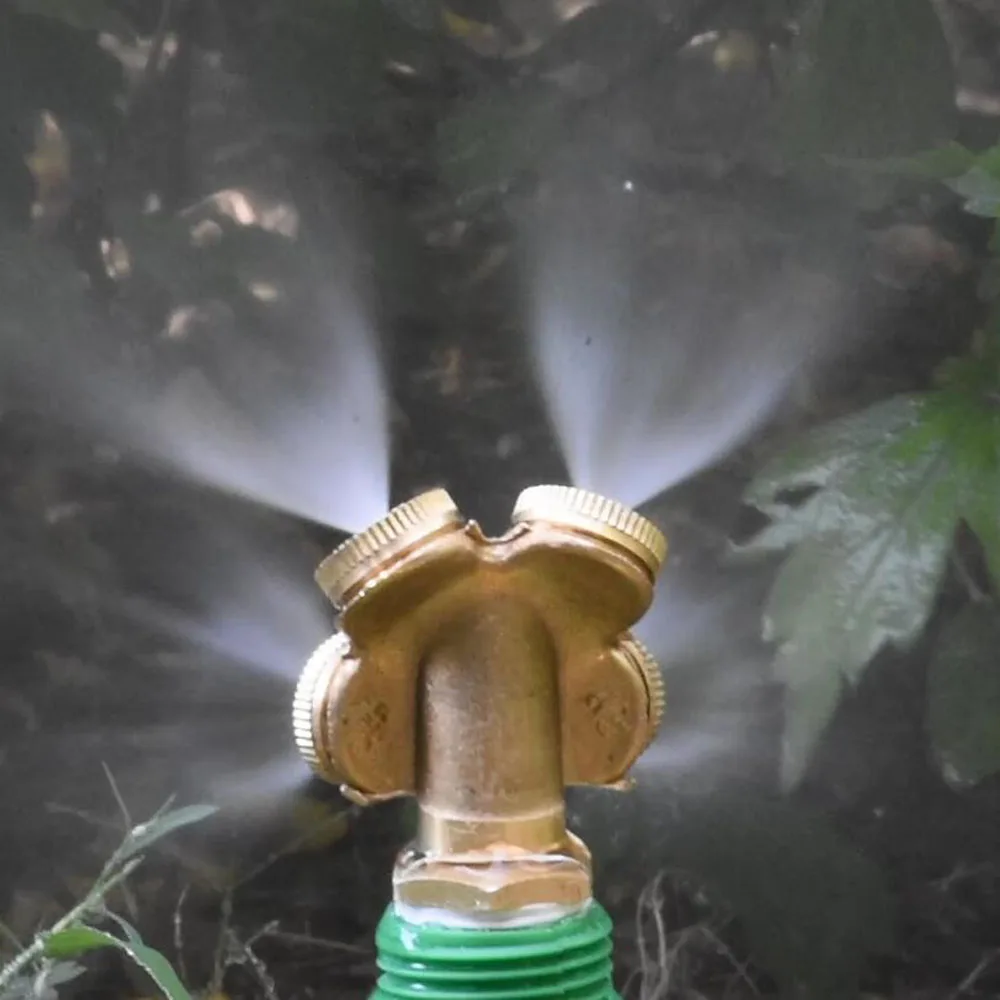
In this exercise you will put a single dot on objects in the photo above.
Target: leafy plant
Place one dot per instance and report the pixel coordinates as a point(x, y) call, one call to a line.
point(887, 490)
point(47, 961)
point(871, 543)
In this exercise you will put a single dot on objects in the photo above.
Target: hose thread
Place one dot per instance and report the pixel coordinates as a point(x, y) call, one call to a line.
point(566, 960)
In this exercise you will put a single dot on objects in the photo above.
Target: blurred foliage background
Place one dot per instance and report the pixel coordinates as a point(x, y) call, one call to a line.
point(186, 185)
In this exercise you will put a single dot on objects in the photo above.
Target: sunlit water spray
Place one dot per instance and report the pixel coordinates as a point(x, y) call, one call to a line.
point(699, 635)
point(260, 618)
point(290, 411)
point(319, 450)
point(652, 364)
point(198, 679)
point(283, 401)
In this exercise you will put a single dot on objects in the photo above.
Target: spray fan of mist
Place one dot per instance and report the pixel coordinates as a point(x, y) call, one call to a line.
point(217, 639)
point(315, 442)
point(657, 355)
point(274, 388)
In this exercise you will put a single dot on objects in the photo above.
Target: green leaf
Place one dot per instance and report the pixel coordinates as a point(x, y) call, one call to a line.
point(494, 138)
point(963, 692)
point(143, 836)
point(871, 543)
point(981, 191)
point(816, 460)
point(869, 80)
point(85, 15)
point(78, 940)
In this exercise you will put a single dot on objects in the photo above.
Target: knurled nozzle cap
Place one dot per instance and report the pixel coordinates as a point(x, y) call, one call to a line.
point(310, 693)
point(595, 515)
point(403, 527)
point(653, 679)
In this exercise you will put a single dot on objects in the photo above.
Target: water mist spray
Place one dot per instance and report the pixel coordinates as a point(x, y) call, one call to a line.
point(483, 676)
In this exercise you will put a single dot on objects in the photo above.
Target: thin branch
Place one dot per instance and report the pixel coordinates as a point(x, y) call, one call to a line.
point(11, 937)
point(291, 847)
point(724, 949)
point(258, 966)
point(219, 963)
point(136, 99)
point(167, 849)
point(275, 933)
point(155, 57)
point(973, 977)
point(178, 922)
point(101, 888)
point(263, 932)
point(123, 809)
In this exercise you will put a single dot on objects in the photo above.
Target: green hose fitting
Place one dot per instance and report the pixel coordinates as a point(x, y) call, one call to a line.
point(569, 959)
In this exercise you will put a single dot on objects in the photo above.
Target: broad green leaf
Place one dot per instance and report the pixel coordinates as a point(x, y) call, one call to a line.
point(981, 191)
point(963, 694)
point(967, 413)
point(870, 80)
point(86, 15)
point(871, 543)
point(868, 578)
point(494, 138)
point(146, 834)
point(829, 452)
point(78, 940)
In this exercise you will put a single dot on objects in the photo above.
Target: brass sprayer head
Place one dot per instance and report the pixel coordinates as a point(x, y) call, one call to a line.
point(484, 675)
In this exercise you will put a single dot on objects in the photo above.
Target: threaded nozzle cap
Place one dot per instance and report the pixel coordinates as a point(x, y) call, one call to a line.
point(364, 553)
point(310, 693)
point(595, 515)
point(652, 677)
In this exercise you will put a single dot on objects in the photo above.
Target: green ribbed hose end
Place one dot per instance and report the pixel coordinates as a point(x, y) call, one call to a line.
point(566, 960)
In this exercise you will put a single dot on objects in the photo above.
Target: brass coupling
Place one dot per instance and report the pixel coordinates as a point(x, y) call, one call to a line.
point(483, 676)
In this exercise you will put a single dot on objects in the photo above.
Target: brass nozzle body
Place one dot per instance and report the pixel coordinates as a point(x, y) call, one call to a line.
point(484, 675)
